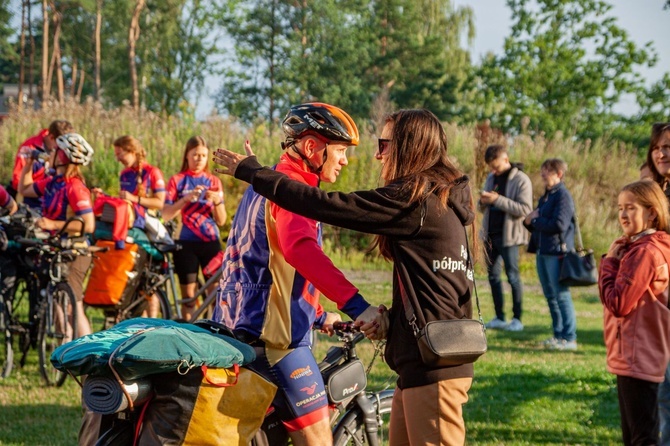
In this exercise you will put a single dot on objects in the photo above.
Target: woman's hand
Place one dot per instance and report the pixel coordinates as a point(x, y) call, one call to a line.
point(214, 196)
point(194, 195)
point(618, 248)
point(531, 216)
point(124, 194)
point(230, 160)
point(47, 224)
point(377, 329)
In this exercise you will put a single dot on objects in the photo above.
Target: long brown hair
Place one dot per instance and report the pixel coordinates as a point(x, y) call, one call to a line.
point(417, 159)
point(191, 144)
point(657, 131)
point(132, 145)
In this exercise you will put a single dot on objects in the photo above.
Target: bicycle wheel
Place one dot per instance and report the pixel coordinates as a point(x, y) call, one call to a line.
point(57, 326)
point(15, 323)
point(351, 429)
point(140, 306)
point(5, 317)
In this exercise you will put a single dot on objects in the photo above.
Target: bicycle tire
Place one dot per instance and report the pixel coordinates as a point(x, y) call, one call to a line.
point(58, 331)
point(15, 323)
point(163, 305)
point(351, 428)
point(5, 318)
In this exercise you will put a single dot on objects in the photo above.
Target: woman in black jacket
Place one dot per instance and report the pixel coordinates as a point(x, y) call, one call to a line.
point(419, 218)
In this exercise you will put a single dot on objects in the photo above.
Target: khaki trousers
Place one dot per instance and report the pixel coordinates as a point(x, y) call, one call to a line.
point(429, 415)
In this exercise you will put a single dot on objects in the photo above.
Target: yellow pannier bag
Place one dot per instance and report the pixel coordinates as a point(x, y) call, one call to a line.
point(207, 406)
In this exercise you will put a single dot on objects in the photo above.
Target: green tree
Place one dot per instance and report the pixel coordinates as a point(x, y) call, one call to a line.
point(257, 78)
point(9, 52)
point(347, 52)
point(418, 54)
point(565, 66)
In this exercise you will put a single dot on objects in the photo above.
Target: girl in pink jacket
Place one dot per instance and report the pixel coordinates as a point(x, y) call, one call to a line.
point(634, 291)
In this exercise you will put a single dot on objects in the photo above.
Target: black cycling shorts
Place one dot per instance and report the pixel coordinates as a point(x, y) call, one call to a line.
point(191, 257)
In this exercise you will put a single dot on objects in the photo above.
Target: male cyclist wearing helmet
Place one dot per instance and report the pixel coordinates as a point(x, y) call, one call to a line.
point(37, 147)
point(65, 194)
point(275, 269)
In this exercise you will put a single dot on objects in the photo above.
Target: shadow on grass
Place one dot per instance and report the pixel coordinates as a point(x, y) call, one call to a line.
point(39, 424)
point(537, 407)
point(533, 336)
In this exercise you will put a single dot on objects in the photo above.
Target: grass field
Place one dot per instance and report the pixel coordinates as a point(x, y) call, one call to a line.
point(521, 395)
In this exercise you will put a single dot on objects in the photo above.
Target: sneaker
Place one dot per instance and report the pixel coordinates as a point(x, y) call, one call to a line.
point(496, 323)
point(567, 345)
point(515, 325)
point(551, 343)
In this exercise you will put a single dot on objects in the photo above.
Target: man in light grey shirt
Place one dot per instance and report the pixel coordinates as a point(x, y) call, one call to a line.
point(506, 199)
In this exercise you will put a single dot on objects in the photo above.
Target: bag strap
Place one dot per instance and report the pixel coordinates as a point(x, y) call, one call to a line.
point(407, 305)
point(579, 244)
point(578, 234)
point(236, 372)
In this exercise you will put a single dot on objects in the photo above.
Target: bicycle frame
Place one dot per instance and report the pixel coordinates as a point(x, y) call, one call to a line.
point(208, 298)
point(366, 403)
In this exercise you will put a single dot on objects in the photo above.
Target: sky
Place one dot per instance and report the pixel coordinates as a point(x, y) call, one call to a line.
point(644, 20)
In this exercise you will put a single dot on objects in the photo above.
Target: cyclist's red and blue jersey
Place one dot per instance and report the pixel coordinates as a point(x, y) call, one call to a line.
point(274, 268)
point(5, 198)
point(63, 197)
point(152, 182)
point(35, 142)
point(197, 223)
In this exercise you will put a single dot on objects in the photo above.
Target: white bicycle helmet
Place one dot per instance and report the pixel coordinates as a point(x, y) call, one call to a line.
point(76, 148)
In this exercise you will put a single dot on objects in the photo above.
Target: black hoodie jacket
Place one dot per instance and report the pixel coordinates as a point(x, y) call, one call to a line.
point(429, 249)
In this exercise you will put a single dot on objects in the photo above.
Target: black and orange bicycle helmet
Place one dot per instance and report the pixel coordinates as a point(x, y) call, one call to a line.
point(325, 120)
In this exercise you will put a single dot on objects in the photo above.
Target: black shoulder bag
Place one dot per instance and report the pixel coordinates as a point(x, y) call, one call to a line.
point(447, 342)
point(578, 267)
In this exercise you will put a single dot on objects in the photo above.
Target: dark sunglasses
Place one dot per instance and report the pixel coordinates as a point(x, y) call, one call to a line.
point(383, 144)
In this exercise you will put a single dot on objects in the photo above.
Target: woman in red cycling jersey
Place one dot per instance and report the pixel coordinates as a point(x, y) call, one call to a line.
point(65, 194)
point(141, 183)
point(196, 195)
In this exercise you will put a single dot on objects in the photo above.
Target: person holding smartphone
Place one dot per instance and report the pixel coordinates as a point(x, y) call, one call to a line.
point(197, 196)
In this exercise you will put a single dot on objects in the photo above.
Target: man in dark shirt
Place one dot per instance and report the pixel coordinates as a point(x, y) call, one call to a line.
point(506, 199)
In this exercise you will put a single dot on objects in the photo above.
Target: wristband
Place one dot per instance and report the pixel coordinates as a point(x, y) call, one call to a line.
point(219, 203)
point(139, 201)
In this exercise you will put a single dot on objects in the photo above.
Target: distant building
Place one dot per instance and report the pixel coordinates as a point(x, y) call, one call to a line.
point(10, 92)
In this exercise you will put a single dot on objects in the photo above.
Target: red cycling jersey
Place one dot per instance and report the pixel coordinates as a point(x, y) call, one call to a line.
point(63, 197)
point(5, 198)
point(152, 182)
point(35, 142)
point(197, 223)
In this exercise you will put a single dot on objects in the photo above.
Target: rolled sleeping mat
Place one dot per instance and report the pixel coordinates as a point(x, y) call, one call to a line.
point(105, 396)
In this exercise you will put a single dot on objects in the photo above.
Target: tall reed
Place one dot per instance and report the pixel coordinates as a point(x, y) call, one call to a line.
point(597, 169)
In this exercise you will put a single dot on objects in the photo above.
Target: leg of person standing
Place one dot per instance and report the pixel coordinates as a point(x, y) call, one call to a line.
point(638, 404)
point(664, 408)
point(559, 300)
point(430, 414)
point(567, 309)
point(546, 266)
point(510, 255)
point(494, 262)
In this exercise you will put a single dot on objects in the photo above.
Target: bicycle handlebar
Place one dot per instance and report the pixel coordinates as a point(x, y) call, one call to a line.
point(346, 327)
point(28, 241)
point(54, 242)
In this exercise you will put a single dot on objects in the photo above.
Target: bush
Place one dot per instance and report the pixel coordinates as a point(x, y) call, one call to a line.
point(597, 170)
